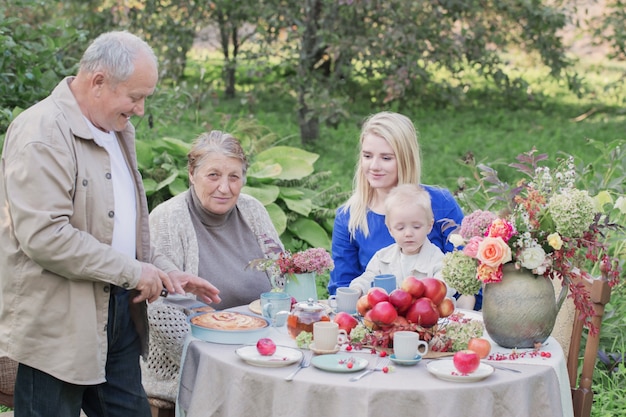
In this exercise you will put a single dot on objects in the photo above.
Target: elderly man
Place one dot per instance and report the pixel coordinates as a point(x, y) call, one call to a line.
point(76, 267)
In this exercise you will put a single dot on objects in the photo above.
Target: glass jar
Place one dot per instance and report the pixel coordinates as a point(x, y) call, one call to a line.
point(303, 315)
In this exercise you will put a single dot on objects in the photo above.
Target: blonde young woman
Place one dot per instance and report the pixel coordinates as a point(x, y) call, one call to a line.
point(389, 156)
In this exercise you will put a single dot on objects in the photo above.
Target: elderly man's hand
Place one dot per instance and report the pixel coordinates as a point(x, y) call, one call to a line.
point(186, 282)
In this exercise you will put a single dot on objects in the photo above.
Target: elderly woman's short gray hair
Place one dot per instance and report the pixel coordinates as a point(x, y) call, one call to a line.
point(215, 141)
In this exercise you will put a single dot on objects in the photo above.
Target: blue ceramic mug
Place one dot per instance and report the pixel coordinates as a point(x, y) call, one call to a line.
point(386, 281)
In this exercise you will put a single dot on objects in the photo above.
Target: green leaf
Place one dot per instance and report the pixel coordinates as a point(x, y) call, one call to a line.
point(177, 147)
point(296, 163)
point(167, 181)
point(178, 186)
point(150, 186)
point(311, 232)
point(261, 169)
point(302, 207)
point(266, 194)
point(279, 219)
point(144, 154)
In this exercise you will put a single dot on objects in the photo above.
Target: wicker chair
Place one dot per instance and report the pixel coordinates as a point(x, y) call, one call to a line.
point(582, 395)
point(8, 371)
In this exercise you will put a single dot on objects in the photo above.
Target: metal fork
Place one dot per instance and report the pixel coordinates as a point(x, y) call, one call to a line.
point(304, 363)
point(382, 362)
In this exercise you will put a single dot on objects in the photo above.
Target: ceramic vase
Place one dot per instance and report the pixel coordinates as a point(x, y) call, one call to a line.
point(520, 310)
point(301, 286)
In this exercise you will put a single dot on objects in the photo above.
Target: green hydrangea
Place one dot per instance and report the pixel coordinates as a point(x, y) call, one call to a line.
point(459, 271)
point(572, 212)
point(304, 339)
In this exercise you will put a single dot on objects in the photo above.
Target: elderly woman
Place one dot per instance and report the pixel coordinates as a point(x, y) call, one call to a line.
point(213, 231)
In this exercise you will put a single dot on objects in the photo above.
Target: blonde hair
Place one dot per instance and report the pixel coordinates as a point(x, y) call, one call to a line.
point(409, 197)
point(401, 135)
point(215, 141)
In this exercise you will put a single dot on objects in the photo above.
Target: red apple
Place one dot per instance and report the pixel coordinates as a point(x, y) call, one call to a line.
point(266, 346)
point(479, 345)
point(377, 294)
point(401, 300)
point(400, 321)
point(413, 286)
point(369, 322)
point(435, 289)
point(466, 361)
point(383, 313)
point(345, 321)
point(363, 305)
point(423, 312)
point(446, 307)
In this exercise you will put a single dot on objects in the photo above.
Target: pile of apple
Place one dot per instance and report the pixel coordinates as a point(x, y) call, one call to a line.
point(417, 305)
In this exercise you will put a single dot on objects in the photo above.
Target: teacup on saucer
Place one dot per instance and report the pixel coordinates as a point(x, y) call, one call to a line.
point(323, 351)
point(413, 361)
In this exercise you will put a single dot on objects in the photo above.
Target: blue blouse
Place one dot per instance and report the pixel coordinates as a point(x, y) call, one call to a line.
point(352, 255)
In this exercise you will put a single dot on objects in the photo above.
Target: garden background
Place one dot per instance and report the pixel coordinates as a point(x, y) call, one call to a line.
point(483, 81)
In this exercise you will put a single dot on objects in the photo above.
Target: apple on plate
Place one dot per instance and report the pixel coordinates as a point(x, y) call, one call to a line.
point(345, 321)
point(466, 361)
point(266, 346)
point(435, 289)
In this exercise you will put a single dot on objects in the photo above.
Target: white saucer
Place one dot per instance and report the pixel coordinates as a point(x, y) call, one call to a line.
point(413, 361)
point(323, 351)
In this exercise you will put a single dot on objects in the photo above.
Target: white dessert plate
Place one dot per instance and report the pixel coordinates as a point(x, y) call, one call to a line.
point(339, 363)
point(282, 357)
point(323, 351)
point(413, 361)
point(444, 369)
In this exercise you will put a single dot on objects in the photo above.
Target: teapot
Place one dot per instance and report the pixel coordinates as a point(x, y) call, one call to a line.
point(303, 315)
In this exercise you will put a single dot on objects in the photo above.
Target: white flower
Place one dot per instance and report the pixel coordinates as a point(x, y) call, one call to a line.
point(456, 239)
point(532, 257)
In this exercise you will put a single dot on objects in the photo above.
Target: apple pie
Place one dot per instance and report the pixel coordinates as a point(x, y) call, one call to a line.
point(228, 320)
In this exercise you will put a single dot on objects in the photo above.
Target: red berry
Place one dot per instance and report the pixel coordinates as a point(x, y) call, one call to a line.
point(385, 369)
point(383, 353)
point(349, 348)
point(349, 365)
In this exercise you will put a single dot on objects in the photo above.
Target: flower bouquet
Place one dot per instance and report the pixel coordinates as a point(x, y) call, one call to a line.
point(545, 225)
point(285, 265)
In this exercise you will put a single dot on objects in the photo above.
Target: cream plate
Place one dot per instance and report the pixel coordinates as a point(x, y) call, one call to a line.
point(444, 369)
point(282, 357)
point(413, 361)
point(323, 351)
point(339, 363)
point(255, 307)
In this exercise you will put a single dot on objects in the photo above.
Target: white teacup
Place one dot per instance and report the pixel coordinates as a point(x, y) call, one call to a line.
point(407, 345)
point(326, 335)
point(345, 299)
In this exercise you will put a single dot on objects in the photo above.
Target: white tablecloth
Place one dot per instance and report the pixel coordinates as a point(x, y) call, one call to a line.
point(216, 382)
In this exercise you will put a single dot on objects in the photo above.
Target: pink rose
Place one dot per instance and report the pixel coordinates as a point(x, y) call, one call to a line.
point(471, 248)
point(501, 228)
point(493, 251)
point(489, 274)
